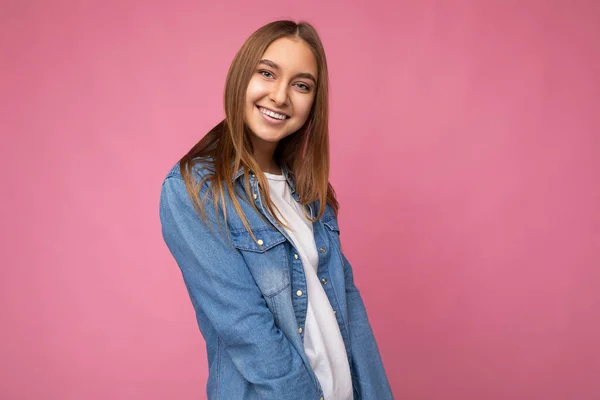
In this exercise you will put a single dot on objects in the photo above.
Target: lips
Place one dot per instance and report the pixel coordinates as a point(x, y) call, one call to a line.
point(275, 111)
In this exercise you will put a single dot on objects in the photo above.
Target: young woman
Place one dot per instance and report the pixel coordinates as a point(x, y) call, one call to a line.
point(251, 219)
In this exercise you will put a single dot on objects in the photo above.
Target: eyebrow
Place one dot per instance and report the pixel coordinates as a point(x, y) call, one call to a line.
point(305, 75)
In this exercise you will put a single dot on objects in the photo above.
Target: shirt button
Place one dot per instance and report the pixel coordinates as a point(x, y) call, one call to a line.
point(296, 256)
point(255, 196)
point(324, 281)
point(299, 293)
point(322, 249)
point(321, 398)
point(334, 312)
point(260, 242)
point(299, 330)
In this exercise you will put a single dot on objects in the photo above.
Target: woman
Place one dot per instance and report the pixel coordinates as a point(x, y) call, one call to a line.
point(251, 219)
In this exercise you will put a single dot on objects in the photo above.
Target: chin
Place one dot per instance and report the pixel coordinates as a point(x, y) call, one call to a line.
point(269, 134)
point(270, 138)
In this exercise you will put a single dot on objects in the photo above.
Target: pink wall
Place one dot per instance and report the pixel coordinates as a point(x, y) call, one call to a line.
point(470, 130)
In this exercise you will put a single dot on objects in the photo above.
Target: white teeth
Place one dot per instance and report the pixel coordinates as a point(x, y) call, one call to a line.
point(272, 114)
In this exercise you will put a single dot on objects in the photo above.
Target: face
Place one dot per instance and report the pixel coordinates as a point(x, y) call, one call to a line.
point(281, 91)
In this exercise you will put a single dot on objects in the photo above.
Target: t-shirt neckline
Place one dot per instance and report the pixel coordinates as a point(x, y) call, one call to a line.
point(274, 177)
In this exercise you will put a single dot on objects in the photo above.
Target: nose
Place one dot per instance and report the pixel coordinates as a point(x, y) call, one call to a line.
point(279, 94)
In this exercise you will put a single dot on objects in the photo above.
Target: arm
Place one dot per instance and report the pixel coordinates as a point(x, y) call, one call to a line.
point(221, 286)
point(369, 378)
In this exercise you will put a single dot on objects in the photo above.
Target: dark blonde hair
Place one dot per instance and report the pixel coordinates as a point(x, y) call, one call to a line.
point(305, 152)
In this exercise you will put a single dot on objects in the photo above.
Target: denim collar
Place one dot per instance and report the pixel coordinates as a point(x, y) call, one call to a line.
point(284, 170)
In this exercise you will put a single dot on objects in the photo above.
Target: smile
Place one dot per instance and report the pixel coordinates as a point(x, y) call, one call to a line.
point(272, 114)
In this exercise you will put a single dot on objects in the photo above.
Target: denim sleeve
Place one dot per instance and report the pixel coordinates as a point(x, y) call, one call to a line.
point(369, 379)
point(221, 286)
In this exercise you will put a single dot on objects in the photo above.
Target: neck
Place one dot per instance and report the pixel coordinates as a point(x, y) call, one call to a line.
point(263, 154)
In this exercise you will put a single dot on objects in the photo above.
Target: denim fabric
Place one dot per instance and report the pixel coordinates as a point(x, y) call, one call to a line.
point(248, 302)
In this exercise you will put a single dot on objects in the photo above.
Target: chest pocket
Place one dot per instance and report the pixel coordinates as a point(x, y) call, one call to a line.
point(267, 259)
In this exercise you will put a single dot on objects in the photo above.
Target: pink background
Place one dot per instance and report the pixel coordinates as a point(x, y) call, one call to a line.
point(465, 153)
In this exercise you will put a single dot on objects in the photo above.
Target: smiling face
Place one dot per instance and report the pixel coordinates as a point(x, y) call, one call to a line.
point(281, 91)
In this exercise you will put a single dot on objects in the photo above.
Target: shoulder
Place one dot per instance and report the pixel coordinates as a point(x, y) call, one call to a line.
point(175, 192)
point(175, 188)
point(200, 169)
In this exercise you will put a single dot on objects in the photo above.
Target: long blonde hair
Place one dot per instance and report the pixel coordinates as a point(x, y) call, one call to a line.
point(305, 152)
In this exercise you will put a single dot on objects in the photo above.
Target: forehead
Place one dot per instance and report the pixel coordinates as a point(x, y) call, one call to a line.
point(292, 55)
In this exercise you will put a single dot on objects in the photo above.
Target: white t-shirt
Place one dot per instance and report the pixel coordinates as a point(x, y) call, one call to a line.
point(323, 341)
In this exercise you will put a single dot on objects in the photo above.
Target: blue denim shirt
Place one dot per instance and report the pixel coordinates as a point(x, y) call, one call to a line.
point(245, 295)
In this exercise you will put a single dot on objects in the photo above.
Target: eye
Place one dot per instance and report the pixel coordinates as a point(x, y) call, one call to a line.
point(265, 73)
point(303, 86)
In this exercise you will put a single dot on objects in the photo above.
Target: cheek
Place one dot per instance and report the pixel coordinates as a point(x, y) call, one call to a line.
point(255, 91)
point(304, 108)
